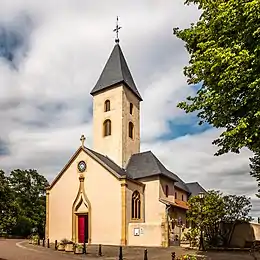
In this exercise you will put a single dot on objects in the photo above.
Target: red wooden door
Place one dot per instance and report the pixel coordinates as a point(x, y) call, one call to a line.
point(81, 228)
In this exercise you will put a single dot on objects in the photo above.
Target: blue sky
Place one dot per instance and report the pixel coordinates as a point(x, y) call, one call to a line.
point(58, 51)
point(190, 127)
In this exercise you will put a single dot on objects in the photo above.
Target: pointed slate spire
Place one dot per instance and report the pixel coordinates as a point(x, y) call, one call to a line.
point(115, 71)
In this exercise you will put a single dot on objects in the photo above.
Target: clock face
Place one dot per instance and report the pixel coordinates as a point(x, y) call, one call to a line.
point(82, 166)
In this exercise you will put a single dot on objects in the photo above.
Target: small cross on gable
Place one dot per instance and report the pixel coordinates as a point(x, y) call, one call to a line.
point(82, 139)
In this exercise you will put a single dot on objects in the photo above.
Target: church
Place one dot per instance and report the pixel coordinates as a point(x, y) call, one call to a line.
point(113, 194)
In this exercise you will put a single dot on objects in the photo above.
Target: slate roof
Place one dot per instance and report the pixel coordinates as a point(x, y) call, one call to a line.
point(195, 188)
point(181, 184)
point(116, 71)
point(111, 164)
point(146, 164)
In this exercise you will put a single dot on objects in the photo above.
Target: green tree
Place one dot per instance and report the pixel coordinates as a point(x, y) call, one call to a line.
point(206, 214)
point(237, 210)
point(29, 189)
point(215, 209)
point(224, 48)
point(8, 206)
point(255, 170)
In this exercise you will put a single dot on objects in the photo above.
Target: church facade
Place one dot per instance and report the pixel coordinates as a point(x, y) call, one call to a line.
point(114, 194)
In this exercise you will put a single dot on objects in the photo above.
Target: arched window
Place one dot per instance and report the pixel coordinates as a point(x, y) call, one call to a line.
point(166, 191)
point(131, 130)
point(131, 108)
point(107, 106)
point(136, 205)
point(107, 127)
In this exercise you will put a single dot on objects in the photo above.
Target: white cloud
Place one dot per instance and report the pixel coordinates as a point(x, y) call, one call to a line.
point(45, 105)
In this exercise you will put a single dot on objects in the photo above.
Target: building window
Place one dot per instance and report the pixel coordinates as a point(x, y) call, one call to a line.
point(136, 205)
point(131, 108)
point(175, 195)
point(107, 127)
point(182, 197)
point(131, 130)
point(166, 191)
point(107, 106)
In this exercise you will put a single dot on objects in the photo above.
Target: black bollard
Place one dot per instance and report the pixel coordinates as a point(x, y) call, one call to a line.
point(38, 241)
point(99, 250)
point(173, 255)
point(56, 245)
point(145, 254)
point(120, 253)
point(84, 248)
point(48, 243)
point(43, 242)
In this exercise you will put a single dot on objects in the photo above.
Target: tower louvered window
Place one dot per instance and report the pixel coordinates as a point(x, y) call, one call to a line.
point(131, 130)
point(107, 106)
point(107, 127)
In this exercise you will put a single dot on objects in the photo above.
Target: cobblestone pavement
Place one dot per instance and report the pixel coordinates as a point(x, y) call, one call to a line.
point(22, 250)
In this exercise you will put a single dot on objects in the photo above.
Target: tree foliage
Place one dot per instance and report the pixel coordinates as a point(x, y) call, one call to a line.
point(8, 205)
point(208, 213)
point(255, 170)
point(224, 48)
point(22, 202)
point(236, 208)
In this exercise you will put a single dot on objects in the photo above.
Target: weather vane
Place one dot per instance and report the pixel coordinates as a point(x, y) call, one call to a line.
point(117, 30)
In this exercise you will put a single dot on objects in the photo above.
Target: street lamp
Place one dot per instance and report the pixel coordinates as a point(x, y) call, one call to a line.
point(201, 195)
point(201, 245)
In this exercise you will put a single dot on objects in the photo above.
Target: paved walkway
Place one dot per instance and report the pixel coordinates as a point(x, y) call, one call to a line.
point(22, 250)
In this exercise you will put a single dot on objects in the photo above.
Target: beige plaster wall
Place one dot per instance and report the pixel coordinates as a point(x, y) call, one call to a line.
point(131, 188)
point(118, 146)
point(108, 145)
point(154, 209)
point(171, 190)
point(104, 193)
point(61, 198)
point(131, 146)
point(150, 234)
point(246, 232)
point(105, 205)
point(180, 193)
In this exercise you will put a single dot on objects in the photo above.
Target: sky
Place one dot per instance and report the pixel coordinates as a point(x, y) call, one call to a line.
point(51, 55)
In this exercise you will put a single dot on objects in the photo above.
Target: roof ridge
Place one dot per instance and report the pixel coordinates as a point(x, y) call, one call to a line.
point(156, 162)
point(120, 61)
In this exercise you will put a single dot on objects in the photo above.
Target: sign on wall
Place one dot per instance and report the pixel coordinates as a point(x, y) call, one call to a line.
point(136, 231)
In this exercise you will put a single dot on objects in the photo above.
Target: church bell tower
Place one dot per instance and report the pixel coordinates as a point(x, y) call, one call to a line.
point(116, 110)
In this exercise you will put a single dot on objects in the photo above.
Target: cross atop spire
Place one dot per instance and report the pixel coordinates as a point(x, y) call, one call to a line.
point(82, 139)
point(117, 30)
